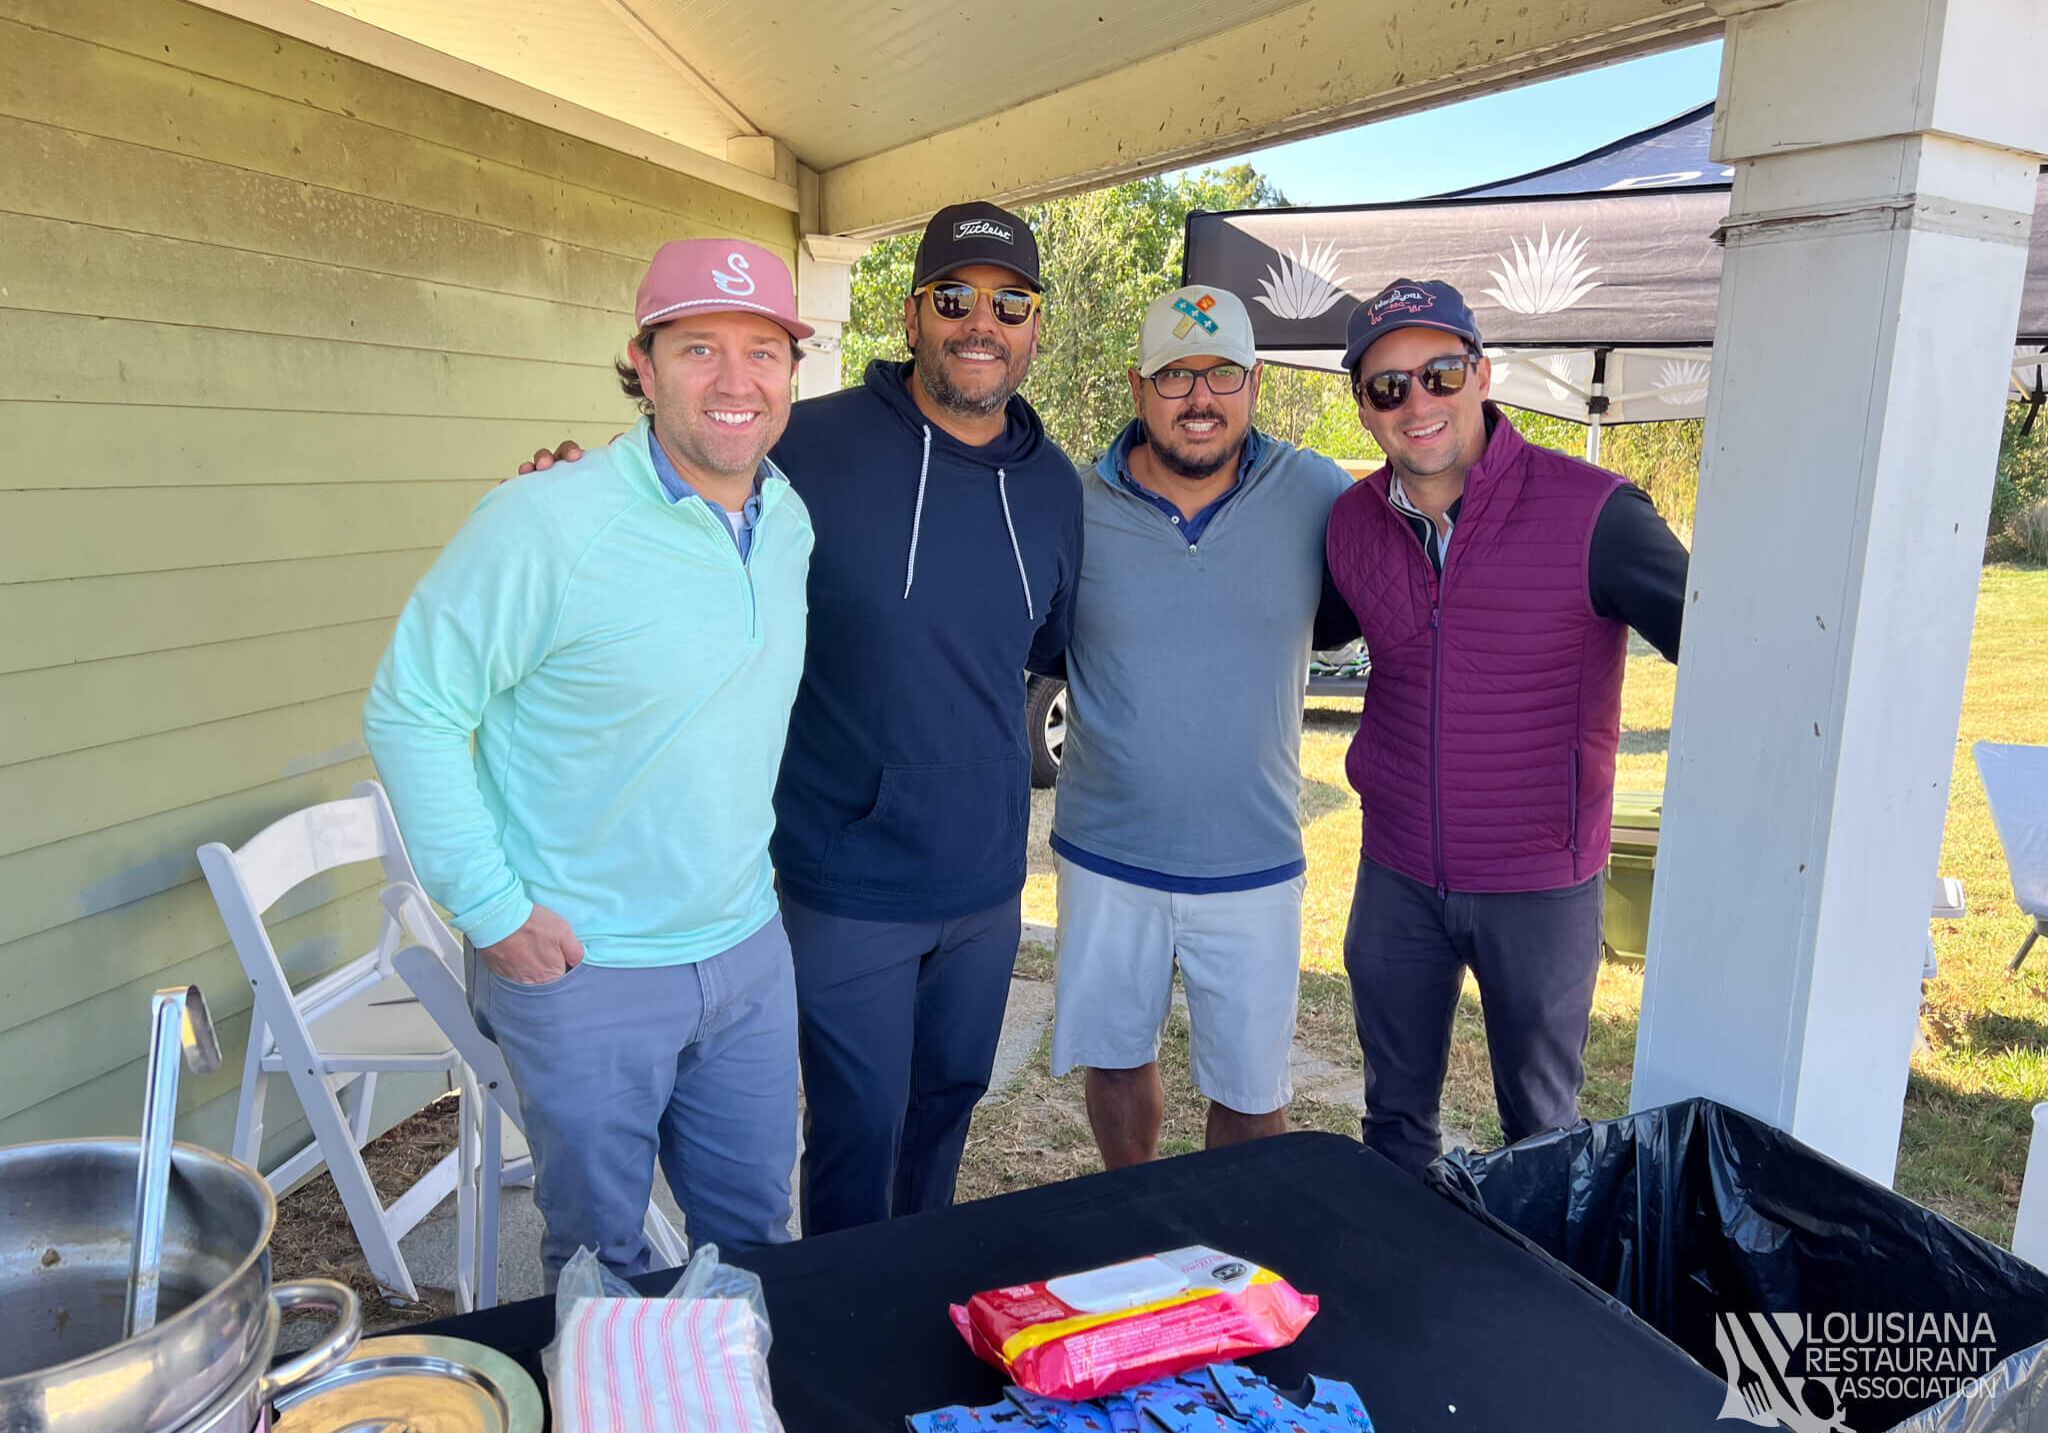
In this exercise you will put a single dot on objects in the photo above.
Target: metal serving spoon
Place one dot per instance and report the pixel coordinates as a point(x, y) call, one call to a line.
point(179, 1027)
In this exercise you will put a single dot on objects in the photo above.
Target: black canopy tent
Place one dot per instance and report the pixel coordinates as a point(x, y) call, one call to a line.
point(1594, 281)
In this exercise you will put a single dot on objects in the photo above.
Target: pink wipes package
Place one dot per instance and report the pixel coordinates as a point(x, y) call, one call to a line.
point(1104, 1330)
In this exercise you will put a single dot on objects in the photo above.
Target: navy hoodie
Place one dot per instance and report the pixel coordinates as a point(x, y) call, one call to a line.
point(940, 573)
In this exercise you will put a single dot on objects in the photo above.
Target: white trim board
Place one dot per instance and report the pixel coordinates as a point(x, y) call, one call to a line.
point(345, 35)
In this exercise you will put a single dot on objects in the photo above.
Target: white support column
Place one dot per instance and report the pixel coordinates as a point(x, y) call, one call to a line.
point(1884, 153)
point(824, 300)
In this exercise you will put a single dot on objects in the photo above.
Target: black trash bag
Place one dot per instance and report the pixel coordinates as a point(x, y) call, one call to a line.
point(2012, 1398)
point(1695, 1217)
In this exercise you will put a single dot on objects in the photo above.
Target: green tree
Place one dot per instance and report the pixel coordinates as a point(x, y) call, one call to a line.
point(875, 326)
point(1314, 409)
point(2021, 484)
point(1105, 255)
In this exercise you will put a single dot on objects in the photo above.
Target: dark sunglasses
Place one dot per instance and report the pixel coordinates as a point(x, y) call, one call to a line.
point(1223, 379)
point(1440, 377)
point(954, 301)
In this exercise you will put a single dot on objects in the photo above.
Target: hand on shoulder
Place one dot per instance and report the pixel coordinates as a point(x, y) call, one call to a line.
point(568, 452)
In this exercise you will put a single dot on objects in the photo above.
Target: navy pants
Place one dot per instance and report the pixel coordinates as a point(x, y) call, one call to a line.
point(1535, 956)
point(897, 1024)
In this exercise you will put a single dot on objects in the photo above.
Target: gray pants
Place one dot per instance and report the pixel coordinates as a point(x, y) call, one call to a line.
point(1536, 957)
point(615, 1067)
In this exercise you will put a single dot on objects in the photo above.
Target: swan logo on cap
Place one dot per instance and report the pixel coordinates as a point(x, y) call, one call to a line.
point(739, 285)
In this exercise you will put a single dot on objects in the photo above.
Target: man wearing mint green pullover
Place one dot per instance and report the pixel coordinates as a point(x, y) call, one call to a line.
point(580, 719)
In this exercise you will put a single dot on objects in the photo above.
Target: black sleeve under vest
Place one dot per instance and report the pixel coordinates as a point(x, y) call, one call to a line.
point(1336, 624)
point(1636, 571)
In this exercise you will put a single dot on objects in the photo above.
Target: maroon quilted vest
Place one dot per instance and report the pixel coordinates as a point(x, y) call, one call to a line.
point(1485, 758)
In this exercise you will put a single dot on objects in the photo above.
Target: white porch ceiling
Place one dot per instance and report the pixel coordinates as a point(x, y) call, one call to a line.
point(898, 106)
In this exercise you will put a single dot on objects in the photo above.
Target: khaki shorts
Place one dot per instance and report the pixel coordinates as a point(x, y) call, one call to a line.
point(1239, 954)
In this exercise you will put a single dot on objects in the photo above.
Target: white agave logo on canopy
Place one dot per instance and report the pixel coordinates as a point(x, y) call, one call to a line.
point(1562, 376)
point(1305, 284)
point(1683, 382)
point(1542, 276)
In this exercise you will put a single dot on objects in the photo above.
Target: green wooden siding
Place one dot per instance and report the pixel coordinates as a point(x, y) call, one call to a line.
point(271, 320)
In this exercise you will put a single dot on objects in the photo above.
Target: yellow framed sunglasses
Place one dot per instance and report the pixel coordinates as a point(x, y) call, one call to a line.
point(955, 301)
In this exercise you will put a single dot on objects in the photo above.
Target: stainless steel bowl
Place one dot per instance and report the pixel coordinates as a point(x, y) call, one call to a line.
point(66, 1225)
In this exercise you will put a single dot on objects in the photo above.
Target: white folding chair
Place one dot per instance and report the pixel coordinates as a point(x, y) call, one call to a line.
point(333, 1038)
point(432, 964)
point(2016, 789)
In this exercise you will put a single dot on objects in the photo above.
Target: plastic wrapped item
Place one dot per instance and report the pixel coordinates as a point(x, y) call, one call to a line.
point(1825, 1297)
point(1222, 1398)
point(1104, 1330)
point(693, 1361)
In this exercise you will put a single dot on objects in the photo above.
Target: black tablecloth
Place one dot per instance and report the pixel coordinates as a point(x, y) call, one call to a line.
point(1439, 1321)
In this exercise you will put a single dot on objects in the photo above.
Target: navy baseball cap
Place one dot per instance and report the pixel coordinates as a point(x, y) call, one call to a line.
point(1406, 303)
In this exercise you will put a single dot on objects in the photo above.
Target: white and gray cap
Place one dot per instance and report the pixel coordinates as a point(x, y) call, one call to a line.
point(1195, 322)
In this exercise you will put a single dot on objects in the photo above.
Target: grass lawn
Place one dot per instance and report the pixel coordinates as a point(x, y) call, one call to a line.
point(1971, 1091)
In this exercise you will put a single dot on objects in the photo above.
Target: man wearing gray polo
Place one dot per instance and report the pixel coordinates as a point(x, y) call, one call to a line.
point(1176, 828)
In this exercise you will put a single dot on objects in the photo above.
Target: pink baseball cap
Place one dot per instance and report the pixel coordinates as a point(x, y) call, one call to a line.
point(717, 276)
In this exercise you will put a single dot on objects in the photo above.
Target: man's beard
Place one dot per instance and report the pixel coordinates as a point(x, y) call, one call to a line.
point(699, 448)
point(931, 372)
point(1178, 462)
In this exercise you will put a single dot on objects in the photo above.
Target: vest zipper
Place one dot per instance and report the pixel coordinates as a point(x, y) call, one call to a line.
point(1436, 746)
point(1439, 587)
point(1572, 810)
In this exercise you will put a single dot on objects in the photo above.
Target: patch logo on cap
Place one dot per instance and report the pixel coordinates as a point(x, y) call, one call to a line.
point(983, 229)
point(1401, 300)
point(739, 283)
point(1197, 313)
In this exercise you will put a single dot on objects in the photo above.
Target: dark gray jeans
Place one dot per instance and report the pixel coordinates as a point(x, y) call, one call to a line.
point(618, 1066)
point(1536, 957)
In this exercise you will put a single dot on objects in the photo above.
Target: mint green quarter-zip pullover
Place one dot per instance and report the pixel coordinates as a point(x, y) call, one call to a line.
point(627, 678)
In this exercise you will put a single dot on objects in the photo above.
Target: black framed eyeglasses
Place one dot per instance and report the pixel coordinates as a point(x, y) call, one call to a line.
point(1223, 380)
point(1440, 377)
point(955, 301)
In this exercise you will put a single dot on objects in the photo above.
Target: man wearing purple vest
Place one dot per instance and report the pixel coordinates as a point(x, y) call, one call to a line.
point(1495, 583)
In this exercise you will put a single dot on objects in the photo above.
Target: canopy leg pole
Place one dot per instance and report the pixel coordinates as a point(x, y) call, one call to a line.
point(1596, 405)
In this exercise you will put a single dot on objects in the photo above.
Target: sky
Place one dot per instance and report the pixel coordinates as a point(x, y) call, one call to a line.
point(1481, 140)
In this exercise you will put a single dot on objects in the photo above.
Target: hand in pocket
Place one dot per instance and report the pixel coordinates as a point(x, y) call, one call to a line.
point(542, 950)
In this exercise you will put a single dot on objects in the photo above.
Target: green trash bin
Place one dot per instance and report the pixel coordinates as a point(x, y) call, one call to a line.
point(1631, 869)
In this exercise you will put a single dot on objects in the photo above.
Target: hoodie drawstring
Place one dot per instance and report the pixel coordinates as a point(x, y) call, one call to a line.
point(924, 471)
point(1003, 491)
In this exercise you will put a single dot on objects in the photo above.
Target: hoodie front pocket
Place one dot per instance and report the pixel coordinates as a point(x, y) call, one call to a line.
point(948, 827)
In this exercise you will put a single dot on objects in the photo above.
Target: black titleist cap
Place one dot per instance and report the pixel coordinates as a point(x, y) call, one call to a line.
point(961, 235)
point(1405, 303)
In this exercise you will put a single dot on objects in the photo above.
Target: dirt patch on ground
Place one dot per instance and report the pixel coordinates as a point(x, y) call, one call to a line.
point(1036, 1131)
point(315, 1240)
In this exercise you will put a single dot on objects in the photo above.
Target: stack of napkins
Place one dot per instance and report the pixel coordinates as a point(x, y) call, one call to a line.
point(662, 1366)
point(1222, 1398)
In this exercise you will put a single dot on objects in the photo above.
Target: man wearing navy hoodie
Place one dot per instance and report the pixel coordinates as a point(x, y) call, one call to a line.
point(948, 544)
